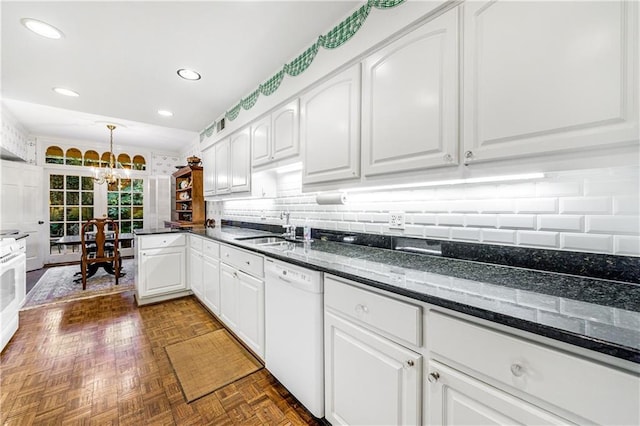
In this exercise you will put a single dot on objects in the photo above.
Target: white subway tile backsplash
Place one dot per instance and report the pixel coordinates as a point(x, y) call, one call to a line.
point(513, 221)
point(342, 226)
point(582, 205)
point(539, 239)
point(611, 187)
point(468, 234)
point(464, 206)
point(537, 205)
point(350, 217)
point(373, 217)
point(626, 245)
point(558, 189)
point(442, 232)
point(626, 205)
point(498, 205)
point(373, 228)
point(481, 220)
point(414, 230)
point(423, 219)
point(450, 219)
point(560, 223)
point(498, 236)
point(614, 224)
point(587, 242)
point(588, 311)
point(516, 190)
point(357, 227)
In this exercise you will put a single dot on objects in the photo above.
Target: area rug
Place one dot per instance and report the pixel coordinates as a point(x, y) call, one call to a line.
point(206, 363)
point(57, 285)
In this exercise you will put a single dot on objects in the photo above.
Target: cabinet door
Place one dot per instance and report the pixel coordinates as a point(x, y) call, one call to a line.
point(222, 183)
point(458, 399)
point(330, 129)
point(410, 100)
point(195, 273)
point(162, 271)
point(211, 284)
point(369, 380)
point(261, 141)
point(229, 296)
point(286, 131)
point(209, 170)
point(251, 312)
point(240, 152)
point(532, 89)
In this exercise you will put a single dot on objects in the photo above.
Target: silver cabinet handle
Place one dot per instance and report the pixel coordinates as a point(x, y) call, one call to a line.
point(517, 370)
point(433, 377)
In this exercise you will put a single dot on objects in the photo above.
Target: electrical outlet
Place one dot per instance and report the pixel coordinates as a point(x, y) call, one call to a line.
point(396, 220)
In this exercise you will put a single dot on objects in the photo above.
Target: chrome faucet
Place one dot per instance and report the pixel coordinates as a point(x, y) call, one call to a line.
point(289, 229)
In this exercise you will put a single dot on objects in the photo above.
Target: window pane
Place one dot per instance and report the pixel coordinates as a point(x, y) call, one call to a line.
point(112, 198)
point(139, 163)
point(137, 224)
point(124, 160)
point(125, 199)
point(125, 227)
point(74, 157)
point(137, 213)
point(56, 198)
point(112, 213)
point(125, 185)
point(73, 198)
point(54, 155)
point(56, 230)
point(73, 229)
point(73, 213)
point(87, 198)
point(87, 213)
point(56, 182)
point(73, 182)
point(138, 185)
point(91, 159)
point(56, 214)
point(87, 183)
point(137, 199)
point(125, 213)
point(113, 187)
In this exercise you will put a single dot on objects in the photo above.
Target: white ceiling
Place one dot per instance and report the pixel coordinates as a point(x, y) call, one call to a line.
point(122, 58)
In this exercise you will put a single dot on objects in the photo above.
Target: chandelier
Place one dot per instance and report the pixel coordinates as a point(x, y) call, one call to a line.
point(111, 174)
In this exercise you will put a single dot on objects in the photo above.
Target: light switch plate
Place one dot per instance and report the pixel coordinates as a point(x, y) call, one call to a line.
point(396, 220)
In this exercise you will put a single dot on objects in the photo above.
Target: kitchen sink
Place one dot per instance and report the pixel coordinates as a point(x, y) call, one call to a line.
point(272, 240)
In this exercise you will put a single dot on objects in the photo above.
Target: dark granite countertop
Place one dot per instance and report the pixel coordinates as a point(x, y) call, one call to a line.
point(152, 231)
point(597, 314)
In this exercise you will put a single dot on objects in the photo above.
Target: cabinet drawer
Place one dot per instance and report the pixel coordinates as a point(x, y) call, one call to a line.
point(161, 240)
point(589, 389)
point(391, 316)
point(195, 242)
point(245, 261)
point(211, 249)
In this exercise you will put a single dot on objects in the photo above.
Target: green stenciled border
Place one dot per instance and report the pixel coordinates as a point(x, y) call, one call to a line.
point(335, 38)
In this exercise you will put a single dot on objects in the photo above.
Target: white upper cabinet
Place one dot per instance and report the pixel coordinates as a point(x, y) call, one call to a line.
point(240, 160)
point(543, 77)
point(276, 136)
point(330, 129)
point(410, 100)
point(209, 170)
point(222, 183)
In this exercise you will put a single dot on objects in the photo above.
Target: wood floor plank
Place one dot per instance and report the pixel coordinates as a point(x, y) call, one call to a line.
point(102, 361)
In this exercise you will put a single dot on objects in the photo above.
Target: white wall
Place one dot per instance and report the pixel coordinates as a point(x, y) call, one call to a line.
point(593, 210)
point(14, 139)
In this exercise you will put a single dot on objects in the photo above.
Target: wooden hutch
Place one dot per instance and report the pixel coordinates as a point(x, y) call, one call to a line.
point(189, 207)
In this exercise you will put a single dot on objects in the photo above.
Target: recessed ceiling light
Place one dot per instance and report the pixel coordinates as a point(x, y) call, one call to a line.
point(41, 28)
point(165, 113)
point(65, 92)
point(189, 74)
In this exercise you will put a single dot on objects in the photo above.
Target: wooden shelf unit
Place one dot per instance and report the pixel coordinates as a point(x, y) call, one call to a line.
point(189, 208)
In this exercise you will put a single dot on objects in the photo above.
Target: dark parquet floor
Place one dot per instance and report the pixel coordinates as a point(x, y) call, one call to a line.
point(102, 361)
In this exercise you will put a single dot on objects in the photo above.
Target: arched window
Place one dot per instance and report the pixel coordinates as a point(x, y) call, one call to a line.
point(139, 163)
point(74, 157)
point(54, 155)
point(124, 160)
point(104, 160)
point(91, 159)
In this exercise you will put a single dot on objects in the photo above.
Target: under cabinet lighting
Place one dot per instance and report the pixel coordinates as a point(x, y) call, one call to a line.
point(289, 168)
point(415, 185)
point(189, 74)
point(41, 28)
point(65, 92)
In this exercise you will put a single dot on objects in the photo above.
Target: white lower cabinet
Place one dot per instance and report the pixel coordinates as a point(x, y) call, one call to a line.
point(370, 379)
point(458, 399)
point(211, 276)
point(195, 265)
point(242, 296)
point(161, 267)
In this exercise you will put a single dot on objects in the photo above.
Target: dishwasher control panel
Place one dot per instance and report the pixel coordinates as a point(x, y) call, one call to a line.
point(300, 277)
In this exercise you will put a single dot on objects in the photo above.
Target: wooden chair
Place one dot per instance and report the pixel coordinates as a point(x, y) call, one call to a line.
point(96, 250)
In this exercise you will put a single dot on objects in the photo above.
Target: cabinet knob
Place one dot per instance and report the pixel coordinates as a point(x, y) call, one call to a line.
point(410, 363)
point(248, 263)
point(226, 255)
point(468, 156)
point(517, 370)
point(433, 377)
point(235, 274)
point(447, 158)
point(362, 308)
point(284, 272)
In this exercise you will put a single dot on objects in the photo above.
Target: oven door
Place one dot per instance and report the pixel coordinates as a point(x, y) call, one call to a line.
point(12, 294)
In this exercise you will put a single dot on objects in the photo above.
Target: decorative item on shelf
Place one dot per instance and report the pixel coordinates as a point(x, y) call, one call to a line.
point(210, 223)
point(185, 183)
point(194, 161)
point(184, 195)
point(185, 207)
point(112, 173)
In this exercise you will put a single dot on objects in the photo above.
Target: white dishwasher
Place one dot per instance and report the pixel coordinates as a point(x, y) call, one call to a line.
point(294, 349)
